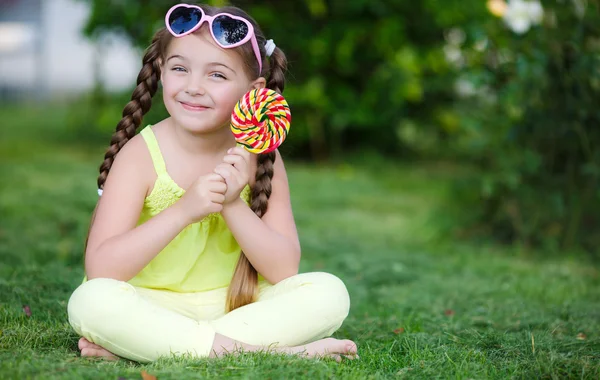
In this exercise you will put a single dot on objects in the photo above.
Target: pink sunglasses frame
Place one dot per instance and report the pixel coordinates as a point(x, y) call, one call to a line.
point(250, 36)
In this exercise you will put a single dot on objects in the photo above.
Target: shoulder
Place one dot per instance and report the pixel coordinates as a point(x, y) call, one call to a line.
point(279, 173)
point(134, 162)
point(278, 159)
point(134, 152)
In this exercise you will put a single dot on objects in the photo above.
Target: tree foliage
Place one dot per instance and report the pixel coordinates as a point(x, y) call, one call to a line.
point(444, 79)
point(359, 71)
point(530, 121)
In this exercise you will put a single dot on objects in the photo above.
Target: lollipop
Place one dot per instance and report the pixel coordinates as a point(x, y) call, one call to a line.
point(261, 120)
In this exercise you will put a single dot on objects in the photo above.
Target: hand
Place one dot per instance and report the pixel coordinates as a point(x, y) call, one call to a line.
point(203, 197)
point(235, 172)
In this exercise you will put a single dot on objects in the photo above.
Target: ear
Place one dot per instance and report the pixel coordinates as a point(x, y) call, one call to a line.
point(258, 84)
point(162, 69)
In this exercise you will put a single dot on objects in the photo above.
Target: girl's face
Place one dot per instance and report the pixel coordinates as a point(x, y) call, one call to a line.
point(202, 82)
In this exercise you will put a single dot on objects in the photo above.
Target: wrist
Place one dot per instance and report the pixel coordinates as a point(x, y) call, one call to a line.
point(180, 215)
point(232, 206)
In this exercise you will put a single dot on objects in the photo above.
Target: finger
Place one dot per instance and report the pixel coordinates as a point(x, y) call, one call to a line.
point(224, 165)
point(224, 172)
point(218, 187)
point(240, 151)
point(217, 198)
point(221, 188)
point(237, 175)
point(237, 162)
point(214, 177)
point(234, 159)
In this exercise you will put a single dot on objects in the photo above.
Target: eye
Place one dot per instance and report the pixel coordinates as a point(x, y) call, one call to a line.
point(218, 75)
point(179, 68)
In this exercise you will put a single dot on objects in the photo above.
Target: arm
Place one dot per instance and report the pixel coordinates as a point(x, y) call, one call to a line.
point(116, 247)
point(271, 243)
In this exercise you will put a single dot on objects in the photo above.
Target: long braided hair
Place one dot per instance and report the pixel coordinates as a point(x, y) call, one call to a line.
point(140, 103)
point(244, 283)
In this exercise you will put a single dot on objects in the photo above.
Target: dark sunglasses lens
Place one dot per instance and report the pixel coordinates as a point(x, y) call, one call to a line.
point(229, 31)
point(182, 20)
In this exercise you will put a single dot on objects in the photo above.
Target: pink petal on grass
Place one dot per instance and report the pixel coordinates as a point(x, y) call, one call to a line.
point(147, 376)
point(27, 310)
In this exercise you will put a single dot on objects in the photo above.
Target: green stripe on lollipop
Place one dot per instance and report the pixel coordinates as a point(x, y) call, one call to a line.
point(268, 133)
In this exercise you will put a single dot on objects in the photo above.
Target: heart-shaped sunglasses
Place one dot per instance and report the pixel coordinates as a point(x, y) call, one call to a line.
point(227, 30)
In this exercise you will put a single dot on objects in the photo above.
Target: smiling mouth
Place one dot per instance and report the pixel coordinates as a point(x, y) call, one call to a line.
point(193, 107)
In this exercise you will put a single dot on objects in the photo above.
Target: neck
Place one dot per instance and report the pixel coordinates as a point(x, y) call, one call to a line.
point(208, 143)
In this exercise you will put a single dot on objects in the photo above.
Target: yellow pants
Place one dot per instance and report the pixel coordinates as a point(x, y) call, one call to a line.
point(144, 324)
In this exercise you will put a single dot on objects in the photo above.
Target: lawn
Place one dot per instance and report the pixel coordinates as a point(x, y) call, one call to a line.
point(423, 306)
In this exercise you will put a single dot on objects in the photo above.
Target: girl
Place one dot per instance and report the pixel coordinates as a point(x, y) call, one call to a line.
point(211, 269)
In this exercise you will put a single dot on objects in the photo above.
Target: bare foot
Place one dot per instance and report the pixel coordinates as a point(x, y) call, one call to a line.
point(324, 348)
point(328, 348)
point(90, 349)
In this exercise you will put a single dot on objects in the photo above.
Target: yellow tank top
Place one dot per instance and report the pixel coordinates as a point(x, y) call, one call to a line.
point(202, 256)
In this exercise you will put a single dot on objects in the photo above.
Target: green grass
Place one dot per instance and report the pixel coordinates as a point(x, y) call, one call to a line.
point(423, 306)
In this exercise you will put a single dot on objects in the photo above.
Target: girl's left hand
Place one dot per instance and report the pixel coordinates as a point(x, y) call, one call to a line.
point(235, 171)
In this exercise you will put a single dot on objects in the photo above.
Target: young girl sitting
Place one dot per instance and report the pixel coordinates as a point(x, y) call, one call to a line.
point(193, 249)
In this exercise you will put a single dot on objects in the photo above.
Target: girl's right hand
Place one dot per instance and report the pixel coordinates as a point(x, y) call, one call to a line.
point(203, 197)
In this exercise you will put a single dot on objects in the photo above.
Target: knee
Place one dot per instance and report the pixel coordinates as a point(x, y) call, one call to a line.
point(332, 293)
point(95, 300)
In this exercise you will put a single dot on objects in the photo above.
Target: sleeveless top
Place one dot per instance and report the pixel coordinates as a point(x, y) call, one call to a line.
point(202, 256)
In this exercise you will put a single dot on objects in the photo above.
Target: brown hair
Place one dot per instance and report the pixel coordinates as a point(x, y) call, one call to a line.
point(244, 284)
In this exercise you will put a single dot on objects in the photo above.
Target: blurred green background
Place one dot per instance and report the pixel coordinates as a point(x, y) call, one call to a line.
point(444, 160)
point(513, 100)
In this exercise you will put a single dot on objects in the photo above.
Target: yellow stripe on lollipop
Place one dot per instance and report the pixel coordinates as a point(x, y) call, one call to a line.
point(261, 120)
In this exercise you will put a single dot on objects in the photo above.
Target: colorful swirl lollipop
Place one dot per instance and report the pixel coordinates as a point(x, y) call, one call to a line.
point(261, 120)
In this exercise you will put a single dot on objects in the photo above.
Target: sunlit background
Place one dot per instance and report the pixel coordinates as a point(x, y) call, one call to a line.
point(43, 53)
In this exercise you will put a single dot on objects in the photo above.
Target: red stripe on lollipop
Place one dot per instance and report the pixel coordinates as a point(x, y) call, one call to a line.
point(268, 133)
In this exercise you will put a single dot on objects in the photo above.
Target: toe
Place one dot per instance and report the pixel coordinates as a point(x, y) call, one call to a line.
point(350, 347)
point(83, 343)
point(86, 351)
point(98, 353)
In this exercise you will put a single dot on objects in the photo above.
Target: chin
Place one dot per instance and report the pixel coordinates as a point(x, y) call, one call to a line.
point(199, 126)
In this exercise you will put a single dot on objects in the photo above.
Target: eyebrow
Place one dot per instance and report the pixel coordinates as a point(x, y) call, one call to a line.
point(176, 56)
point(220, 64)
point(208, 64)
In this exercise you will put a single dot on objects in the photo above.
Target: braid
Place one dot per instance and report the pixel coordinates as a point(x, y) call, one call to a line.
point(244, 284)
point(141, 101)
point(242, 290)
point(278, 63)
point(262, 186)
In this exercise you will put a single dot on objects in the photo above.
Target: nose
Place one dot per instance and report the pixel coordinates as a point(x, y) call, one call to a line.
point(195, 87)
